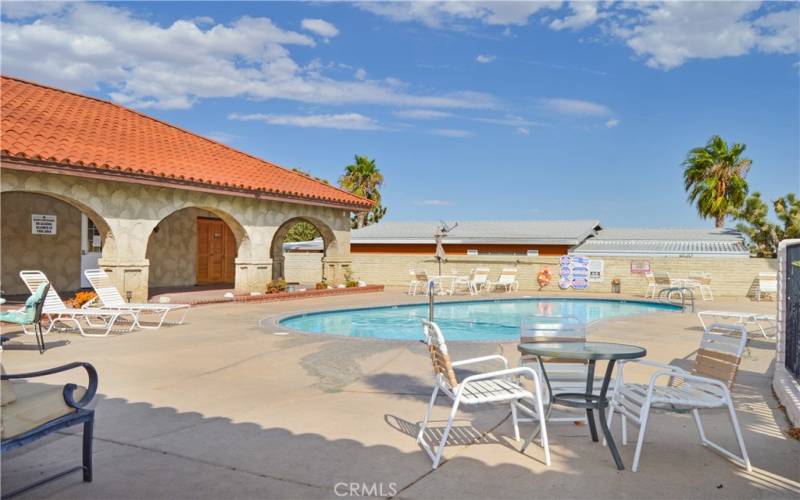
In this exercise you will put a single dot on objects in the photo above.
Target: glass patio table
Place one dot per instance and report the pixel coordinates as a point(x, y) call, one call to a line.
point(591, 352)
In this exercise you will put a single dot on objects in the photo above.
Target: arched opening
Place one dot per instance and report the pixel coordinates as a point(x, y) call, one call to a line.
point(194, 246)
point(55, 234)
point(298, 248)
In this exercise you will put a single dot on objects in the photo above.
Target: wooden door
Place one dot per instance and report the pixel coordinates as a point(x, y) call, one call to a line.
point(216, 251)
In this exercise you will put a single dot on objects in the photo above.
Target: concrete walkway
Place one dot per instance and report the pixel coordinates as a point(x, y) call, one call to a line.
point(222, 408)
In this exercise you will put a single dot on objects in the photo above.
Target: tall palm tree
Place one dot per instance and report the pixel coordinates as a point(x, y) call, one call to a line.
point(363, 178)
point(714, 178)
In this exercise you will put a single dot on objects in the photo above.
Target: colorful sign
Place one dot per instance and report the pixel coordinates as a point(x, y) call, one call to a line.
point(640, 266)
point(575, 272)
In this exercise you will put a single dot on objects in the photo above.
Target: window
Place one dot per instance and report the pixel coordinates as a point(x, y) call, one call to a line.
point(94, 242)
point(472, 252)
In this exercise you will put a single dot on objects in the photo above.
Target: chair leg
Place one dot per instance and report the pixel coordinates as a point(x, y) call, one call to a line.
point(420, 435)
point(699, 423)
point(515, 420)
point(542, 422)
point(88, 432)
point(438, 457)
point(640, 440)
point(624, 429)
point(739, 438)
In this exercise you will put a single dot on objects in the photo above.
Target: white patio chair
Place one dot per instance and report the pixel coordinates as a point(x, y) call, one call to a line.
point(507, 280)
point(490, 387)
point(57, 312)
point(110, 298)
point(564, 375)
point(701, 281)
point(707, 386)
point(464, 282)
point(767, 283)
point(419, 278)
point(652, 287)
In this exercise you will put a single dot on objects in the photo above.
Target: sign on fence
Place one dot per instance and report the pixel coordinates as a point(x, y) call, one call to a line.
point(43, 224)
point(640, 266)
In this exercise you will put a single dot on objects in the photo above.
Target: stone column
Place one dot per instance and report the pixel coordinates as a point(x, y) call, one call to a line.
point(129, 276)
point(252, 275)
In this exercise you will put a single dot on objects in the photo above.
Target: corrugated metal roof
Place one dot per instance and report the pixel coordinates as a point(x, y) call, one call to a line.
point(665, 242)
point(553, 232)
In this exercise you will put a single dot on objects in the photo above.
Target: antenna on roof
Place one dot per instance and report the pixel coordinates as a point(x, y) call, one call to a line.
point(444, 228)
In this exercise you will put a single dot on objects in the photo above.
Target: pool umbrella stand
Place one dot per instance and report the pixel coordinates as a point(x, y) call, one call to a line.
point(439, 254)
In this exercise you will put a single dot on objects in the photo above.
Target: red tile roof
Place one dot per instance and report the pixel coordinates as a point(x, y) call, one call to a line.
point(55, 126)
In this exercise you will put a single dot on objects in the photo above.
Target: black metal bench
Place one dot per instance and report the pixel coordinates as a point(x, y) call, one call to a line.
point(76, 413)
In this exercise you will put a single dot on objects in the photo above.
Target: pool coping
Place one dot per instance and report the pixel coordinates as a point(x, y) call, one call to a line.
point(275, 321)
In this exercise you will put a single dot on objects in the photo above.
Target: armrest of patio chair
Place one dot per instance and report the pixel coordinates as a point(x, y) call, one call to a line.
point(520, 370)
point(480, 360)
point(676, 371)
point(69, 389)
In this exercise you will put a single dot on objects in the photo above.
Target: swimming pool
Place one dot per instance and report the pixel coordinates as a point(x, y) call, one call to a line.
point(477, 320)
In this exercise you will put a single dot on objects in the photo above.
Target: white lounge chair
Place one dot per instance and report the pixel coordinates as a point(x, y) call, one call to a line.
point(564, 375)
point(490, 387)
point(480, 280)
point(507, 280)
point(746, 318)
point(767, 283)
point(57, 312)
point(707, 386)
point(110, 298)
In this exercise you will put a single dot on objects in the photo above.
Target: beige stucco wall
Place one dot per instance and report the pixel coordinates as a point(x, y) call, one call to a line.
point(730, 276)
point(303, 267)
point(126, 214)
point(172, 251)
point(58, 255)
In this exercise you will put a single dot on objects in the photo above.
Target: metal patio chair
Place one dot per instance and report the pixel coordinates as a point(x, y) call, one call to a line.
point(490, 387)
point(706, 386)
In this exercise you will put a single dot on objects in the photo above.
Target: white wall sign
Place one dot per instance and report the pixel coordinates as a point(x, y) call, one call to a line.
point(596, 270)
point(43, 224)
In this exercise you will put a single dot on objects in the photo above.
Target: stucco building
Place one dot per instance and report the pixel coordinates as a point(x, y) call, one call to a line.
point(88, 183)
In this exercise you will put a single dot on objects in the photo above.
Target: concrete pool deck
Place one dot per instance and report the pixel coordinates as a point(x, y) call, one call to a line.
point(222, 408)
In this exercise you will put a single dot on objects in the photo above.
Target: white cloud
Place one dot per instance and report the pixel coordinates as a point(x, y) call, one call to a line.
point(320, 27)
point(345, 121)
point(613, 122)
point(361, 74)
point(450, 14)
point(451, 132)
point(664, 34)
point(510, 121)
point(669, 34)
point(92, 46)
point(422, 114)
point(574, 107)
point(222, 136)
point(433, 203)
point(583, 14)
point(523, 131)
point(485, 58)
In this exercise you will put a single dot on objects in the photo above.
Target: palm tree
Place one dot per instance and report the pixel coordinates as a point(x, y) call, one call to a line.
point(714, 177)
point(364, 179)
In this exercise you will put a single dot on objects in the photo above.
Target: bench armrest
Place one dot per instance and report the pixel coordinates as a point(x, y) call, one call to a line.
point(69, 389)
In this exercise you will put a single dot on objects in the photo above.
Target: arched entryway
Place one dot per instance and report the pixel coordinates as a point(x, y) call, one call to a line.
point(56, 234)
point(194, 246)
point(304, 264)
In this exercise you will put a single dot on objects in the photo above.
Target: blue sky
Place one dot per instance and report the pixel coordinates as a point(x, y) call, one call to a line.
point(472, 110)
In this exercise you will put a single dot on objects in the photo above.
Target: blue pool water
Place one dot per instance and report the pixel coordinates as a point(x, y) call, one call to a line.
point(496, 320)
